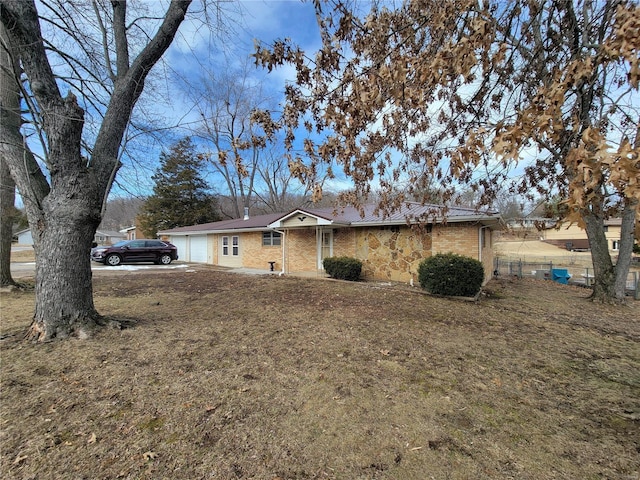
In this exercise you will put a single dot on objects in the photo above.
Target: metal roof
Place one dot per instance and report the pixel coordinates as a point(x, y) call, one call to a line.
point(368, 215)
point(258, 222)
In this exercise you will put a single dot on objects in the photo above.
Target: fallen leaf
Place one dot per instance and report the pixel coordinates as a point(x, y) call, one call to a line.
point(19, 458)
point(149, 455)
point(92, 438)
point(385, 352)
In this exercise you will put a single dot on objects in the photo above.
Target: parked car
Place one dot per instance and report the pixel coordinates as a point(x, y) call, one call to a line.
point(140, 250)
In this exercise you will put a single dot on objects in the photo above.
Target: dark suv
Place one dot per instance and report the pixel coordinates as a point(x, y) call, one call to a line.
point(157, 251)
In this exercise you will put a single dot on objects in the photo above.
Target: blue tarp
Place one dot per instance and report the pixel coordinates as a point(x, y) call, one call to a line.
point(560, 275)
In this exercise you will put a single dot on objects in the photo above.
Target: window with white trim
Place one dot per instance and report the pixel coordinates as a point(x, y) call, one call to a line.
point(271, 239)
point(225, 246)
point(615, 245)
point(235, 242)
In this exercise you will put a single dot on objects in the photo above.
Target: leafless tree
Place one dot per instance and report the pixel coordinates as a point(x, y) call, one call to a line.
point(233, 144)
point(253, 169)
point(121, 212)
point(64, 192)
point(10, 121)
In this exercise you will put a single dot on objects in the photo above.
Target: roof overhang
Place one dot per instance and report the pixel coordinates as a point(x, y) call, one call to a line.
point(303, 215)
point(228, 231)
point(484, 220)
point(285, 222)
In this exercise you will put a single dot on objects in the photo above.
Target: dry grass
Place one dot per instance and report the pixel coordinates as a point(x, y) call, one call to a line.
point(23, 255)
point(230, 376)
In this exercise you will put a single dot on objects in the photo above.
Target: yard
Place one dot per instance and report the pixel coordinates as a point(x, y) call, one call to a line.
point(231, 376)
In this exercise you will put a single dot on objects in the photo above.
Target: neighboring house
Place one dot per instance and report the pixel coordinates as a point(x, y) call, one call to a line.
point(129, 233)
point(24, 237)
point(572, 237)
point(530, 224)
point(108, 237)
point(102, 237)
point(298, 241)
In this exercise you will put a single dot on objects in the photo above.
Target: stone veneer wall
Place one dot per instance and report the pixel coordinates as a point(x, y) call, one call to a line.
point(391, 253)
point(386, 253)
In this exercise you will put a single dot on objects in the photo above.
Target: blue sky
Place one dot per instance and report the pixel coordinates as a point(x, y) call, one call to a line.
point(197, 47)
point(164, 105)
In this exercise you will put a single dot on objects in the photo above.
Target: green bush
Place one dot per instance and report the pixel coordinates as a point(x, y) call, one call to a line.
point(636, 248)
point(451, 274)
point(343, 268)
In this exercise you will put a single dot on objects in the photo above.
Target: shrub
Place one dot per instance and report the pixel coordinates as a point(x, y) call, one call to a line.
point(636, 248)
point(343, 268)
point(451, 274)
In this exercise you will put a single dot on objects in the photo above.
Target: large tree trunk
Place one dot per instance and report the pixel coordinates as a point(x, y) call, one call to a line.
point(63, 230)
point(625, 249)
point(604, 287)
point(7, 201)
point(9, 119)
point(63, 272)
point(64, 205)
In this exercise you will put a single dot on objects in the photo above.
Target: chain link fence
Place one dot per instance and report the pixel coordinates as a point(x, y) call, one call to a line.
point(561, 272)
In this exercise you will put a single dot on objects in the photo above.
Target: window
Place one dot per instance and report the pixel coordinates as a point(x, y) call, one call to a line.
point(225, 246)
point(615, 245)
point(235, 241)
point(271, 239)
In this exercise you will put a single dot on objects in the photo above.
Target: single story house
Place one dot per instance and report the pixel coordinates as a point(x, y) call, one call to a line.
point(129, 233)
point(390, 248)
point(529, 223)
point(24, 237)
point(572, 237)
point(102, 237)
point(108, 237)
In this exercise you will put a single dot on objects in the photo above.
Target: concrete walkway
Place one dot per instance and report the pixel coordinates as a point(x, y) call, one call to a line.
point(258, 271)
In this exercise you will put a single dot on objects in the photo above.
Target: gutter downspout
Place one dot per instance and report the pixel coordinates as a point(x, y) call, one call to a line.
point(283, 254)
point(481, 238)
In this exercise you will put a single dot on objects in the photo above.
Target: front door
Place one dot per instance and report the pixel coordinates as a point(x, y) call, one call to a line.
point(325, 247)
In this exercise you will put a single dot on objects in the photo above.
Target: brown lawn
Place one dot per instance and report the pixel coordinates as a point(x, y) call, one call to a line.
point(228, 376)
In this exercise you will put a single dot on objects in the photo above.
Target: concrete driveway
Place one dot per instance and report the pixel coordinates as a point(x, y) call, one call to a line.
point(28, 269)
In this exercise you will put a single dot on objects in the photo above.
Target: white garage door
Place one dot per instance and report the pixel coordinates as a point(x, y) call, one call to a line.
point(181, 243)
point(198, 247)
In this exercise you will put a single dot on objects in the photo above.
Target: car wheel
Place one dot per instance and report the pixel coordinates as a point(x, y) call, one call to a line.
point(113, 260)
point(165, 259)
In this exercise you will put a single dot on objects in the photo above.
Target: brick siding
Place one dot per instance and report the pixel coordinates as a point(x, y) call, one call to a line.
point(387, 253)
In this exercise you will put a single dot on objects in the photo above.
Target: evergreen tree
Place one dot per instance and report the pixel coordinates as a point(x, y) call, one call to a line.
point(180, 195)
